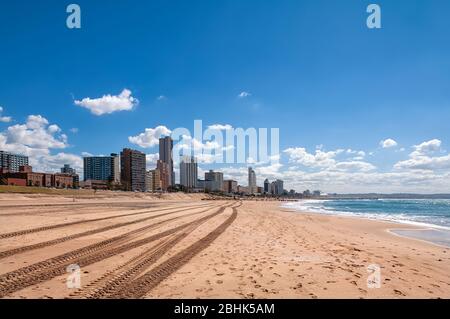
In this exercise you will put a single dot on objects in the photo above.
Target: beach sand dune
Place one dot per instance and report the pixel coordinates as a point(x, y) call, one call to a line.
point(184, 247)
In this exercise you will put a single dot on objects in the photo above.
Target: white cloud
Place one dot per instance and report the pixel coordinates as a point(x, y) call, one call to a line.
point(35, 134)
point(152, 158)
point(109, 103)
point(150, 137)
point(388, 143)
point(421, 158)
point(321, 159)
point(74, 130)
point(354, 166)
point(86, 154)
point(244, 94)
point(220, 127)
point(161, 98)
point(4, 119)
point(426, 148)
point(35, 139)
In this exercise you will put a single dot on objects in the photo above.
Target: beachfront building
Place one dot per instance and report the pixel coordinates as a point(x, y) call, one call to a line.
point(26, 177)
point(266, 186)
point(188, 172)
point(10, 162)
point(115, 168)
point(252, 189)
point(213, 181)
point(149, 181)
point(98, 168)
point(166, 156)
point(230, 186)
point(153, 181)
point(165, 174)
point(67, 170)
point(133, 170)
point(277, 187)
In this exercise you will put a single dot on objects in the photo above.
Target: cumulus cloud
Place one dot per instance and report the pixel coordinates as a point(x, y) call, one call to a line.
point(388, 143)
point(321, 159)
point(108, 104)
point(74, 130)
point(426, 148)
point(354, 166)
point(152, 158)
point(161, 98)
point(4, 119)
point(150, 137)
point(35, 139)
point(421, 158)
point(35, 134)
point(244, 94)
point(338, 160)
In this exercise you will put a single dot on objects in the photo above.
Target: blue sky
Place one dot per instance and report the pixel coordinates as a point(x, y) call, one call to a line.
point(311, 68)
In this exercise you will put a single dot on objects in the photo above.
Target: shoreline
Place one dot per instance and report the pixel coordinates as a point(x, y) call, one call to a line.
point(427, 232)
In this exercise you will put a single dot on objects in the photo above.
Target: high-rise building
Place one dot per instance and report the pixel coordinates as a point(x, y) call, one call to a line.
point(166, 156)
point(102, 168)
point(214, 181)
point(11, 162)
point(164, 172)
point(98, 168)
point(133, 170)
point(149, 181)
point(266, 186)
point(188, 172)
point(153, 180)
point(115, 169)
point(251, 181)
point(277, 187)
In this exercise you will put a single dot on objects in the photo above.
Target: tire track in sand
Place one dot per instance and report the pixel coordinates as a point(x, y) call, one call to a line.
point(44, 228)
point(19, 250)
point(139, 287)
point(53, 267)
point(111, 282)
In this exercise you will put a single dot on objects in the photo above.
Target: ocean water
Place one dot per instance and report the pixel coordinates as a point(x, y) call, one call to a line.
point(425, 213)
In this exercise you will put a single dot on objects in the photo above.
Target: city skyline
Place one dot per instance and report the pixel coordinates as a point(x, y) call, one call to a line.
point(358, 110)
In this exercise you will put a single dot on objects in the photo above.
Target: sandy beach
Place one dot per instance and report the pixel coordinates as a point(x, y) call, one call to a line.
point(180, 246)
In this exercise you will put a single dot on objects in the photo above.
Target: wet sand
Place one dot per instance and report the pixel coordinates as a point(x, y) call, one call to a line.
point(183, 247)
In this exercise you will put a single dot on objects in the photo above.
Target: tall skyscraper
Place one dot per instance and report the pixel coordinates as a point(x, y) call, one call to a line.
point(133, 170)
point(166, 156)
point(12, 162)
point(188, 172)
point(251, 181)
